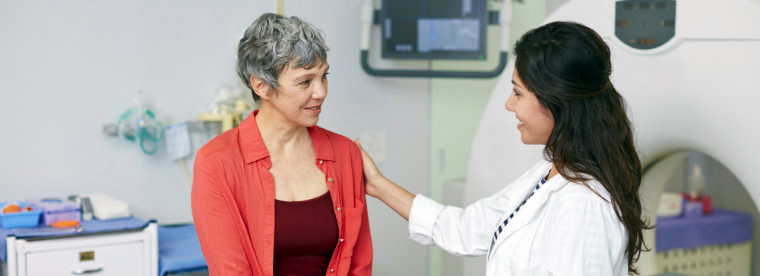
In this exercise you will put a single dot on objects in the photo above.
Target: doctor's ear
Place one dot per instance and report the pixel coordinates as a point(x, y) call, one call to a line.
point(260, 87)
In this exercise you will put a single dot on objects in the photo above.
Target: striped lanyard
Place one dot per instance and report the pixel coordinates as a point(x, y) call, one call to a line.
point(509, 218)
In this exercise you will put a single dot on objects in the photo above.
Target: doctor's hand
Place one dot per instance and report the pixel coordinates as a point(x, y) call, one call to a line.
point(373, 179)
point(399, 199)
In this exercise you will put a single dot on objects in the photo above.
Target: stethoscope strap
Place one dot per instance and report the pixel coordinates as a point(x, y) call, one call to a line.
point(503, 225)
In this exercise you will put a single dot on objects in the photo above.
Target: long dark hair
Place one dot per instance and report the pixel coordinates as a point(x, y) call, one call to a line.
point(567, 66)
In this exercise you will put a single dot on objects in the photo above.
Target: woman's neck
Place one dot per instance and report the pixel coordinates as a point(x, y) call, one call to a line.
point(552, 172)
point(279, 135)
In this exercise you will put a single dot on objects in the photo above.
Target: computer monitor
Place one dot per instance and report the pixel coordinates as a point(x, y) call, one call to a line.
point(434, 29)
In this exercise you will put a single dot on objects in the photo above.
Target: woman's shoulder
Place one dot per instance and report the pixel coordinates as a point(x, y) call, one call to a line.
point(337, 141)
point(587, 202)
point(590, 190)
point(221, 144)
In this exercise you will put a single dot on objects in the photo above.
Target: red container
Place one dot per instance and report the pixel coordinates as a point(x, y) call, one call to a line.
point(706, 201)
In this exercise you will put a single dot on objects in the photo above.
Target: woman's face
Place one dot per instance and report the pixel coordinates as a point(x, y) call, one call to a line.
point(535, 121)
point(300, 94)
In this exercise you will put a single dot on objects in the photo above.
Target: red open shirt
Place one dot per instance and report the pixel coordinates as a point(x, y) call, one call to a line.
point(233, 202)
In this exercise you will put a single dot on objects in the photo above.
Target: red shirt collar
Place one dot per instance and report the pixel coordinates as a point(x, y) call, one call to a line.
point(252, 145)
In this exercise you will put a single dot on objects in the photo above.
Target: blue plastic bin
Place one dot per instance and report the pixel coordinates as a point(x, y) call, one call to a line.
point(20, 219)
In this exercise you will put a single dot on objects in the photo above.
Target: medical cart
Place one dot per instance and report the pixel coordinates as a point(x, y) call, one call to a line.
point(115, 247)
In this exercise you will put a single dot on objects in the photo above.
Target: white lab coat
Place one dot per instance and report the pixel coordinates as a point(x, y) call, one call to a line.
point(563, 229)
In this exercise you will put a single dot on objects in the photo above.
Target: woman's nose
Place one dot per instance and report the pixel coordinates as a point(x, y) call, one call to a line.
point(320, 90)
point(509, 104)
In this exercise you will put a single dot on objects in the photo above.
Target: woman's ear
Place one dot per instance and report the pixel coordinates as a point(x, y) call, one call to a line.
point(260, 87)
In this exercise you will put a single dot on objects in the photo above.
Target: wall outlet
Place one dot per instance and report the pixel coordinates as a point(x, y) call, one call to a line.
point(374, 143)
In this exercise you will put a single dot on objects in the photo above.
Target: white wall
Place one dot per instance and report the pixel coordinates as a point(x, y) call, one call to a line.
point(67, 68)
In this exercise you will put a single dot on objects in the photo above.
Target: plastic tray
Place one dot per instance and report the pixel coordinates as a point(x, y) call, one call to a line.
point(55, 209)
point(20, 219)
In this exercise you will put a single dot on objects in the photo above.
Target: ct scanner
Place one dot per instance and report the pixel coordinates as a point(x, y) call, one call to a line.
point(699, 90)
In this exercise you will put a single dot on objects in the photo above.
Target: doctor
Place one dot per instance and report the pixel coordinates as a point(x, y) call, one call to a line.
point(575, 213)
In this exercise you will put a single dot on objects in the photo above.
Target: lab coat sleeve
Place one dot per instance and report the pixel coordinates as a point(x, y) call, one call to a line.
point(215, 222)
point(464, 232)
point(422, 218)
point(583, 237)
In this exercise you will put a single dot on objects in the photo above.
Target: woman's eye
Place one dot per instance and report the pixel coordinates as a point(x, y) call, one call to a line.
point(325, 75)
point(306, 82)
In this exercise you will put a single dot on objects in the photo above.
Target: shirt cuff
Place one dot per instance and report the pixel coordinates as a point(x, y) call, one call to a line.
point(422, 218)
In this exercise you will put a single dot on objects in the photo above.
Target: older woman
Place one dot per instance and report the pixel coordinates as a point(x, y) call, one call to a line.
point(278, 195)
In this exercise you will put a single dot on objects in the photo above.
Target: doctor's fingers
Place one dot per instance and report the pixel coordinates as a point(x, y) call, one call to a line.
point(370, 169)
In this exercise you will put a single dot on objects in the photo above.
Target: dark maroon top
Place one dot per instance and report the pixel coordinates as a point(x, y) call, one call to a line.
point(305, 236)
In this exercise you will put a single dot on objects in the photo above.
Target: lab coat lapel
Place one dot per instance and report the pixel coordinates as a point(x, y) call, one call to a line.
point(528, 211)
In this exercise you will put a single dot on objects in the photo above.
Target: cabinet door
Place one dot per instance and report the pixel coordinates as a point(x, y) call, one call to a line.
point(111, 259)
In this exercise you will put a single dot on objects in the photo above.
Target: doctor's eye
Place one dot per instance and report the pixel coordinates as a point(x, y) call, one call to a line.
point(325, 75)
point(517, 94)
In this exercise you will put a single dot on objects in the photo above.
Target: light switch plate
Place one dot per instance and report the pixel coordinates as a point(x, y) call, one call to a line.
point(374, 143)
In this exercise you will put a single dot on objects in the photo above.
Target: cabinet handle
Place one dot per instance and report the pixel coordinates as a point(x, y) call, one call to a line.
point(87, 271)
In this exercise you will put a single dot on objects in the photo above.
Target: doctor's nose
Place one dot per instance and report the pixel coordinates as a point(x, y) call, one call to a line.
point(509, 104)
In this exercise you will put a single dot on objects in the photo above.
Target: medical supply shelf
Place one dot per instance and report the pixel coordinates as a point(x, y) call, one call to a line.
point(115, 247)
point(719, 243)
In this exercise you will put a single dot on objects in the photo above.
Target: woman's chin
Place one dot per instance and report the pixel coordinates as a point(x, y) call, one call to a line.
point(310, 123)
point(524, 140)
point(529, 141)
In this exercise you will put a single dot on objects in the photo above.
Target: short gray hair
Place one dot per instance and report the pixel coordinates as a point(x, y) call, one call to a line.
point(274, 41)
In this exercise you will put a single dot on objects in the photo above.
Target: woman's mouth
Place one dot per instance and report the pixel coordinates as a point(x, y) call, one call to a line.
point(314, 109)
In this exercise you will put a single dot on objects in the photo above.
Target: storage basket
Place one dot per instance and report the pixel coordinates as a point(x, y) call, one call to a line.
point(20, 219)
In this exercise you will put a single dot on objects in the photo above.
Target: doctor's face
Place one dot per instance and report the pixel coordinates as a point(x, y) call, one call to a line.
point(535, 121)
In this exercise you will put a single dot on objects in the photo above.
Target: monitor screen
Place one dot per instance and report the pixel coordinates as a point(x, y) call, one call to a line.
point(434, 29)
